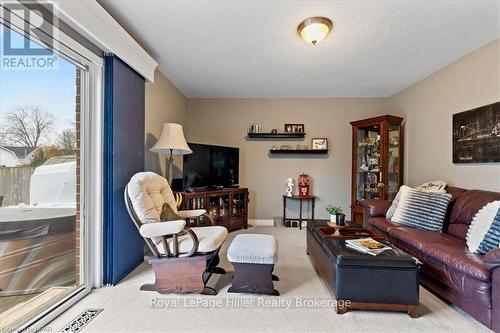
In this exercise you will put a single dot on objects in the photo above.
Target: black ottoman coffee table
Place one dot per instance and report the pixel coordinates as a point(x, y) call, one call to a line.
point(387, 282)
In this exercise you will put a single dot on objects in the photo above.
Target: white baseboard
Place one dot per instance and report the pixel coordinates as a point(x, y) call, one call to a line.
point(261, 222)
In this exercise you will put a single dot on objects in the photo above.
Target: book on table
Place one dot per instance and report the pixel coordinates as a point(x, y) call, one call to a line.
point(367, 245)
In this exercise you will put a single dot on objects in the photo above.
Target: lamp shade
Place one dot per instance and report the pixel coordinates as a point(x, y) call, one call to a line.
point(171, 140)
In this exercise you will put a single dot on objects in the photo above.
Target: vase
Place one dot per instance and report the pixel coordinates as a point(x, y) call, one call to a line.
point(333, 218)
point(339, 219)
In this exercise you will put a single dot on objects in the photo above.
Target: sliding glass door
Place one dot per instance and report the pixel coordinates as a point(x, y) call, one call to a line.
point(47, 95)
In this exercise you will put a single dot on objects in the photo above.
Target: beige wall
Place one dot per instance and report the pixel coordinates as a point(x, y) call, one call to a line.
point(225, 122)
point(163, 103)
point(428, 106)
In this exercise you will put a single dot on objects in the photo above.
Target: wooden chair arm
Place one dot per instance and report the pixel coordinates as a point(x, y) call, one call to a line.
point(175, 245)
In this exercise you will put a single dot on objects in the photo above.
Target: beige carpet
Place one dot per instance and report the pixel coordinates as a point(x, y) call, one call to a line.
point(127, 309)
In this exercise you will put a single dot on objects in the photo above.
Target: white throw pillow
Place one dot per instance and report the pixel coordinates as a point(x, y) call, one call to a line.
point(480, 225)
point(437, 186)
point(390, 212)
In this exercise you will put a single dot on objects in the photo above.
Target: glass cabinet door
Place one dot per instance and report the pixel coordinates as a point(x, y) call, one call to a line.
point(369, 164)
point(239, 203)
point(393, 162)
point(218, 206)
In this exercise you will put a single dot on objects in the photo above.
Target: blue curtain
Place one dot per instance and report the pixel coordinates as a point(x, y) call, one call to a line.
point(123, 157)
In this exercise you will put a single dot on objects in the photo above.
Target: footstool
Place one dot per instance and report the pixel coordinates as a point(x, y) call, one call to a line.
point(253, 257)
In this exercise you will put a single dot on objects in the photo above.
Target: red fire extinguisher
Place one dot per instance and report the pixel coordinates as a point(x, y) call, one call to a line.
point(303, 185)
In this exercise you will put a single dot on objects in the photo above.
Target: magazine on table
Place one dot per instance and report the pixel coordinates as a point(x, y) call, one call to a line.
point(367, 245)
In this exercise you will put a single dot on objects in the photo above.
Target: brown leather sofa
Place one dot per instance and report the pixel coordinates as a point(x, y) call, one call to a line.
point(470, 281)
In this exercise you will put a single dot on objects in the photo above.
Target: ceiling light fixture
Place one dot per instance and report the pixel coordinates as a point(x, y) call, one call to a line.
point(314, 29)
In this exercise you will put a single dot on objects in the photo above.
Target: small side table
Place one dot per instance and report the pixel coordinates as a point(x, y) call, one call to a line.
point(311, 198)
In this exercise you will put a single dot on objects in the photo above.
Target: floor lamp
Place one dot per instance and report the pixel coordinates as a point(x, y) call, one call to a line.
point(171, 142)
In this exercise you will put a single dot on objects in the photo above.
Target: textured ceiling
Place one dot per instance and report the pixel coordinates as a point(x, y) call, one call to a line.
point(251, 48)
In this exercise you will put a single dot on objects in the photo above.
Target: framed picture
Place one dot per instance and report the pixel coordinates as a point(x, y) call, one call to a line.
point(476, 135)
point(319, 143)
point(255, 128)
point(294, 128)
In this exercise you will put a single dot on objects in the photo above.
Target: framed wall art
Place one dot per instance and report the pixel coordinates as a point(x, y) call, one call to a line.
point(476, 135)
point(294, 128)
point(319, 143)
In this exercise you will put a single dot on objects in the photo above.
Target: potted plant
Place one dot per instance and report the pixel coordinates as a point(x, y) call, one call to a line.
point(336, 214)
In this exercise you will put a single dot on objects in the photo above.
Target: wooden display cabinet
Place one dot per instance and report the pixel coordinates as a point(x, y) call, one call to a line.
point(228, 207)
point(377, 161)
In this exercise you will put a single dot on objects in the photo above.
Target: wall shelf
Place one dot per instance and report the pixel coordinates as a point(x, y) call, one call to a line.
point(276, 135)
point(299, 151)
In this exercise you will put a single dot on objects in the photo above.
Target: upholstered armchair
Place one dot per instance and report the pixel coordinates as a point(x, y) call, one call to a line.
point(183, 258)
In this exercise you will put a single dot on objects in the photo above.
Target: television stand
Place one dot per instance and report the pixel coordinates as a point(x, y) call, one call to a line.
point(228, 207)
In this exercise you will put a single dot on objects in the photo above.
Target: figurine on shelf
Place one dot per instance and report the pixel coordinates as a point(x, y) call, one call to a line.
point(372, 181)
point(289, 187)
point(373, 164)
point(363, 166)
point(303, 185)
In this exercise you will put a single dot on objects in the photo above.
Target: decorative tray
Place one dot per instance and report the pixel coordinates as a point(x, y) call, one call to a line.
point(343, 232)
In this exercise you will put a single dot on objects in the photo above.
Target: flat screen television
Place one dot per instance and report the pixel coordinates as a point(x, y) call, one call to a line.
point(211, 166)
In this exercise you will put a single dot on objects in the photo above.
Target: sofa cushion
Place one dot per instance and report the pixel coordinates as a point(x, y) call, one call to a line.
point(465, 206)
point(446, 255)
point(459, 259)
point(382, 224)
point(420, 239)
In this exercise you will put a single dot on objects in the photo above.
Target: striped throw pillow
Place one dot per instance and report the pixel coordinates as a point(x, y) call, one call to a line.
point(437, 186)
point(421, 210)
point(492, 238)
point(480, 224)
